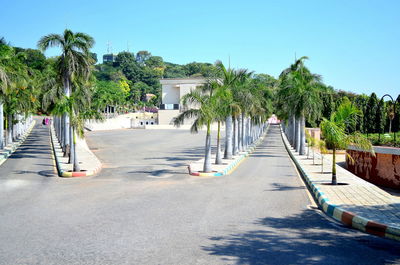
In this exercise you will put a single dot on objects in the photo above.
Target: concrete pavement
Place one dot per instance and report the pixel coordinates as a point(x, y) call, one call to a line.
point(355, 202)
point(31, 157)
point(143, 208)
point(10, 148)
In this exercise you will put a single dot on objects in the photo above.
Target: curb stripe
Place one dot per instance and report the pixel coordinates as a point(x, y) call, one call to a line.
point(330, 209)
point(376, 228)
point(347, 218)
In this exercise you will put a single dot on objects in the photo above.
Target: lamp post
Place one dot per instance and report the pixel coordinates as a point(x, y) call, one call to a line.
point(394, 113)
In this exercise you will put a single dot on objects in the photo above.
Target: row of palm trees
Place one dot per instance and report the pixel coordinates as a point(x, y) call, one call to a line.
point(70, 89)
point(18, 84)
point(236, 100)
point(64, 89)
point(299, 96)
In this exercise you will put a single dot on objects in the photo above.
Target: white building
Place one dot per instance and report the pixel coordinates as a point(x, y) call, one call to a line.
point(173, 89)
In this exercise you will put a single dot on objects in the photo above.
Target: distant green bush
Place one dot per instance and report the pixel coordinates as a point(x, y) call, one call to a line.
point(385, 139)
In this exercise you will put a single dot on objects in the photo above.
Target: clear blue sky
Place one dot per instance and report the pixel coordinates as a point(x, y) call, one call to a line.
point(354, 45)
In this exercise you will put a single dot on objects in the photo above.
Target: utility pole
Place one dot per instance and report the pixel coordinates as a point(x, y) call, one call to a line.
point(109, 47)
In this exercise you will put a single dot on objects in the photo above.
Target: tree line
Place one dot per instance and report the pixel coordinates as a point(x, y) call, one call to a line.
point(142, 72)
point(73, 88)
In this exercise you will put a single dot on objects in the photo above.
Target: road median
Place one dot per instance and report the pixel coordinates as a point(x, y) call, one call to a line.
point(228, 165)
point(89, 163)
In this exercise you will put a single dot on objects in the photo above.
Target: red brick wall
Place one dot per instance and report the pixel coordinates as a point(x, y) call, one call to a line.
point(383, 169)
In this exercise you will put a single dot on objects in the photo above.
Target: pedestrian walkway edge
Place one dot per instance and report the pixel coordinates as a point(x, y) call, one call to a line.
point(8, 150)
point(60, 171)
point(347, 218)
point(234, 164)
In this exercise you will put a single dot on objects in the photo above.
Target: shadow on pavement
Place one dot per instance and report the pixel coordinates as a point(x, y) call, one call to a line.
point(303, 239)
point(280, 187)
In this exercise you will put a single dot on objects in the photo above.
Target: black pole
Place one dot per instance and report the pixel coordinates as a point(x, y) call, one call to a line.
point(394, 110)
point(379, 127)
point(394, 115)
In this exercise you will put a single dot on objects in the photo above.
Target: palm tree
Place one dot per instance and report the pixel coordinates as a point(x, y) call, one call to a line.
point(244, 99)
point(74, 63)
point(222, 98)
point(301, 91)
point(16, 92)
point(3, 86)
point(228, 83)
point(202, 106)
point(5, 54)
point(336, 132)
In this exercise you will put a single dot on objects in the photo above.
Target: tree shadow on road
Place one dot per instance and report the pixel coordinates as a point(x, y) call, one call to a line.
point(44, 173)
point(305, 238)
point(280, 187)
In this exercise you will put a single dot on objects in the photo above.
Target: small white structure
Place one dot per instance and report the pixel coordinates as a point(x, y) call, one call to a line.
point(173, 89)
point(141, 119)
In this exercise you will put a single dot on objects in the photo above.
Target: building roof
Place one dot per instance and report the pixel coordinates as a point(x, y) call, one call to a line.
point(188, 80)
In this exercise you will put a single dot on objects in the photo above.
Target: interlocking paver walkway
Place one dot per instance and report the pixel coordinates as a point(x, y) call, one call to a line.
point(357, 196)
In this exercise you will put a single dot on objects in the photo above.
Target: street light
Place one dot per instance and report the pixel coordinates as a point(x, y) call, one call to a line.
point(394, 114)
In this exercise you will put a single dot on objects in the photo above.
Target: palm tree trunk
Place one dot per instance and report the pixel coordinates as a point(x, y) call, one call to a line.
point(72, 146)
point(248, 131)
point(240, 133)
point(9, 129)
point(207, 157)
point(228, 139)
point(302, 135)
point(62, 133)
point(218, 157)
point(14, 129)
point(235, 137)
point(243, 132)
point(297, 135)
point(334, 180)
point(67, 136)
point(251, 130)
point(390, 126)
point(1, 126)
point(293, 135)
point(55, 124)
point(76, 161)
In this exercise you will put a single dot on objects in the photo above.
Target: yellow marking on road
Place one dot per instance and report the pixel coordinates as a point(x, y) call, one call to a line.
point(52, 154)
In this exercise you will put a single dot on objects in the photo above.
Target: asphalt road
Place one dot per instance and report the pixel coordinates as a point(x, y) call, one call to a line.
point(143, 209)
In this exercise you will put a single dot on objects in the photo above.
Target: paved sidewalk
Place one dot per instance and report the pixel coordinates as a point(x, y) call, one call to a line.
point(11, 148)
point(89, 163)
point(356, 203)
point(228, 165)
